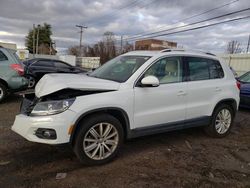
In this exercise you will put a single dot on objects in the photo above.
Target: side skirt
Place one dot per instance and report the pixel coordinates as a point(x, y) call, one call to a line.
point(155, 129)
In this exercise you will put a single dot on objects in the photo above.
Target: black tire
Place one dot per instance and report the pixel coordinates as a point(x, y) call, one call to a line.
point(86, 125)
point(4, 92)
point(211, 129)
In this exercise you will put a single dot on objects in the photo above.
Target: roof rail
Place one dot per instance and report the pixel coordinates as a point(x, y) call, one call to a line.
point(183, 50)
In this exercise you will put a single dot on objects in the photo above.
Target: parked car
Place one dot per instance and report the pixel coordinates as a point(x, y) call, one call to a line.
point(11, 73)
point(245, 90)
point(138, 93)
point(36, 68)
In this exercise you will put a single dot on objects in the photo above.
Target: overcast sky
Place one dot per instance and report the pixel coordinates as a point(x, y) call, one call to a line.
point(124, 17)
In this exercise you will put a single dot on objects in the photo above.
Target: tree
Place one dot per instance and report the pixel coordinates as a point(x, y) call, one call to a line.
point(44, 39)
point(105, 49)
point(234, 47)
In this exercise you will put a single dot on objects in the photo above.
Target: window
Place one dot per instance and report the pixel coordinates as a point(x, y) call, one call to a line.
point(215, 70)
point(245, 77)
point(120, 68)
point(3, 57)
point(203, 69)
point(43, 63)
point(59, 64)
point(167, 70)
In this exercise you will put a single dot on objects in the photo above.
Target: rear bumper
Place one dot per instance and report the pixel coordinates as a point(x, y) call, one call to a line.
point(17, 83)
point(245, 101)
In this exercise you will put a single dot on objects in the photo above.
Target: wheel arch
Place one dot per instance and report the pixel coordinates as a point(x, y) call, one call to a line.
point(4, 82)
point(118, 113)
point(230, 101)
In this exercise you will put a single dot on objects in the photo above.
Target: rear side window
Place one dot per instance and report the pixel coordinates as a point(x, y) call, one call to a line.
point(215, 69)
point(43, 63)
point(3, 57)
point(203, 69)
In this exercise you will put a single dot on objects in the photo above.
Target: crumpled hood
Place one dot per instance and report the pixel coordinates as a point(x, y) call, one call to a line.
point(51, 83)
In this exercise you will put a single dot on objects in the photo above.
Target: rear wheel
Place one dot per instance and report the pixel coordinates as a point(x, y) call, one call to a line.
point(222, 121)
point(98, 140)
point(31, 81)
point(3, 92)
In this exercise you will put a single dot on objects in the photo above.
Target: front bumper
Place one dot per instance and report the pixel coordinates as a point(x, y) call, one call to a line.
point(26, 126)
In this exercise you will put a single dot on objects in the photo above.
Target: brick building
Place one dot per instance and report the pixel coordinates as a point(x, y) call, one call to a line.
point(154, 44)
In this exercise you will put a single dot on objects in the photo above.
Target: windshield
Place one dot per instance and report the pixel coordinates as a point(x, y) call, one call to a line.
point(120, 68)
point(245, 77)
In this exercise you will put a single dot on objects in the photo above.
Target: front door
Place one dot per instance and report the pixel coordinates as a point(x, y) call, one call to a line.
point(165, 103)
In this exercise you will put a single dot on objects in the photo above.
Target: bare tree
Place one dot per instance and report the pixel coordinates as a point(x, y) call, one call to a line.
point(234, 47)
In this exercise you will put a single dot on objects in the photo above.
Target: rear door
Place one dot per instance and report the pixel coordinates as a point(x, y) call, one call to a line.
point(165, 103)
point(4, 65)
point(42, 67)
point(63, 67)
point(203, 85)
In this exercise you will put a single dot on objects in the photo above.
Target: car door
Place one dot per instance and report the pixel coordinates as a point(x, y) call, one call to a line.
point(163, 104)
point(203, 85)
point(42, 67)
point(62, 67)
point(4, 65)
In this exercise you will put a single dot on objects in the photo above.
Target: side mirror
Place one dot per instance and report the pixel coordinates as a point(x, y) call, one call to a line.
point(150, 81)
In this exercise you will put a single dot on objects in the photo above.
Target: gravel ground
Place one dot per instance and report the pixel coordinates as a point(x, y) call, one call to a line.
point(185, 158)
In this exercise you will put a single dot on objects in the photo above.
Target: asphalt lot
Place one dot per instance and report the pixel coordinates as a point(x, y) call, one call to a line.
point(185, 158)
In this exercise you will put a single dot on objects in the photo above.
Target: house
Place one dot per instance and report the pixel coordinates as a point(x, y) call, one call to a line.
point(154, 44)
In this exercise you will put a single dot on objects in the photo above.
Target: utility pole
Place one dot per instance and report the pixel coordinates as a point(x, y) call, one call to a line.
point(81, 31)
point(121, 44)
point(248, 43)
point(37, 38)
point(34, 33)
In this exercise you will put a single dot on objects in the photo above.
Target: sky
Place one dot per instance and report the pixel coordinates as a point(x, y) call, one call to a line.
point(124, 17)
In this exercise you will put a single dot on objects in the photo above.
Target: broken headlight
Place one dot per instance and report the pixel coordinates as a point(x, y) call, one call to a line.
point(51, 107)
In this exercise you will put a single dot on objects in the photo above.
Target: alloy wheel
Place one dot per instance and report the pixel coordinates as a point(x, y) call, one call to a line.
point(1, 93)
point(100, 141)
point(223, 121)
point(31, 81)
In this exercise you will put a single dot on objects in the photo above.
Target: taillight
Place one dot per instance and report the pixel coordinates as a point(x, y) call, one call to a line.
point(18, 68)
point(238, 84)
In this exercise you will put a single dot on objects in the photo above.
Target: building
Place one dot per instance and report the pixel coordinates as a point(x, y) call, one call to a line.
point(8, 45)
point(154, 44)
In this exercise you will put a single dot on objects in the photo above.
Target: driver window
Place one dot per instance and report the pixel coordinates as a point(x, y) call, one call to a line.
point(167, 70)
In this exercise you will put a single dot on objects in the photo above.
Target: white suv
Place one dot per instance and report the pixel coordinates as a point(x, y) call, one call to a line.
point(135, 94)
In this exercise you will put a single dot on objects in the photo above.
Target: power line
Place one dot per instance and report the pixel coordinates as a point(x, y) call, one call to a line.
point(194, 23)
point(104, 20)
point(200, 27)
point(193, 16)
point(107, 15)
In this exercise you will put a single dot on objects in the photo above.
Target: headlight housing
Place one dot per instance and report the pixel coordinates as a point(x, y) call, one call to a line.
point(51, 107)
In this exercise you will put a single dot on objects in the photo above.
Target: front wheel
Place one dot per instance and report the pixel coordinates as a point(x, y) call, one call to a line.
point(98, 139)
point(222, 121)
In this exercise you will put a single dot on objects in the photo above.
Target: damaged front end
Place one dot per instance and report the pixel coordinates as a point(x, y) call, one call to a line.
point(53, 103)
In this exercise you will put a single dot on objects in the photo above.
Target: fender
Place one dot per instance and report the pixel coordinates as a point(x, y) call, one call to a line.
point(126, 124)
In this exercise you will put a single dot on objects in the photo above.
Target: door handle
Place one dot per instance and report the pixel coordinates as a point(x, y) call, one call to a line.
point(217, 89)
point(181, 93)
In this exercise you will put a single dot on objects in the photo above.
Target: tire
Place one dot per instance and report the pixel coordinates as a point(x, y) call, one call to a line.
point(3, 92)
point(220, 127)
point(90, 148)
